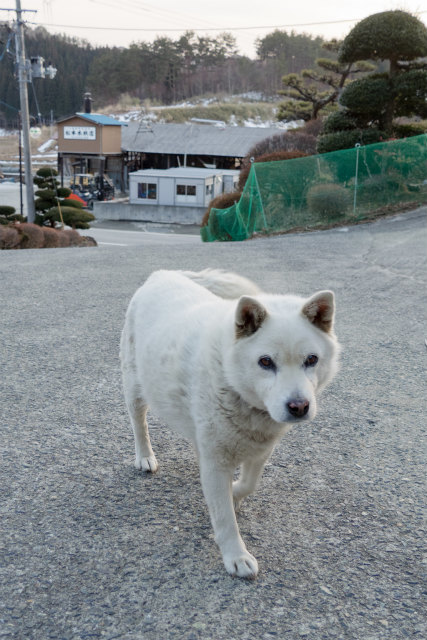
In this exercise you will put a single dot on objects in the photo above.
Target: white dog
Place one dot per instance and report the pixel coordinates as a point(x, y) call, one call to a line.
point(231, 368)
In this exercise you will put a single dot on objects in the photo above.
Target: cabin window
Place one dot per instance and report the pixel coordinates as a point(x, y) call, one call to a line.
point(147, 190)
point(186, 190)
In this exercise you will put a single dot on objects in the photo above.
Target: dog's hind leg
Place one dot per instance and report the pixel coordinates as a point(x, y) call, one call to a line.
point(137, 409)
point(135, 402)
point(144, 455)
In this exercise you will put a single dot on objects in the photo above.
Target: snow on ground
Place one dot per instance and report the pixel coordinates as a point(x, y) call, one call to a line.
point(46, 145)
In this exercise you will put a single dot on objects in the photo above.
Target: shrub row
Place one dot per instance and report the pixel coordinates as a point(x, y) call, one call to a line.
point(32, 236)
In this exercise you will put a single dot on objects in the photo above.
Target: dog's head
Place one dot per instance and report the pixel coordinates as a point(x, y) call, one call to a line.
point(284, 352)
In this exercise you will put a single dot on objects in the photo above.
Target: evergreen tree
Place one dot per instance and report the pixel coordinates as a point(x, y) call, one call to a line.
point(307, 91)
point(52, 203)
point(371, 104)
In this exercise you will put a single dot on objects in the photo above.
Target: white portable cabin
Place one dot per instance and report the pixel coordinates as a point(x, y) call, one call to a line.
point(180, 186)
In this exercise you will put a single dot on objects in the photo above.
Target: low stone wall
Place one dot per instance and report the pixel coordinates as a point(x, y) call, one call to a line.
point(114, 210)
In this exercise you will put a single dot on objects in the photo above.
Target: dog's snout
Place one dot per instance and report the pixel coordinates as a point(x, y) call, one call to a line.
point(298, 408)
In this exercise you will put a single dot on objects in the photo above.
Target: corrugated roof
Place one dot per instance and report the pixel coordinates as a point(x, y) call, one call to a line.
point(187, 172)
point(193, 139)
point(99, 118)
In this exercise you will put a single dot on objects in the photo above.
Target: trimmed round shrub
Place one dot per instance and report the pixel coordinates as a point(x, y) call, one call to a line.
point(72, 237)
point(75, 218)
point(385, 36)
point(9, 237)
point(63, 192)
point(6, 210)
point(31, 236)
point(378, 189)
point(8, 215)
point(47, 172)
point(367, 97)
point(224, 201)
point(347, 139)
point(45, 194)
point(75, 204)
point(338, 121)
point(51, 237)
point(328, 200)
point(408, 129)
point(42, 205)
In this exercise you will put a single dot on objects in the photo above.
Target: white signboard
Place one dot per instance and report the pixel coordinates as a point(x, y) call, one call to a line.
point(80, 133)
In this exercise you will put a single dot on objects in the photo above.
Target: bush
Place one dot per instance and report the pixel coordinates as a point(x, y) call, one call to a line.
point(71, 237)
point(31, 236)
point(288, 141)
point(6, 211)
point(348, 139)
point(367, 97)
point(378, 189)
point(408, 129)
point(47, 172)
point(328, 200)
point(338, 121)
point(275, 156)
point(224, 201)
point(63, 192)
point(73, 217)
point(51, 238)
point(312, 127)
point(9, 237)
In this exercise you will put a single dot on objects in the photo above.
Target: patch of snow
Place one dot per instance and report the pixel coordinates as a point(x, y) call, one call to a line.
point(45, 146)
point(4, 133)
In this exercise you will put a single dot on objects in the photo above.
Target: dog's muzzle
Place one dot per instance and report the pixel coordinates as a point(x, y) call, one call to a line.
point(298, 408)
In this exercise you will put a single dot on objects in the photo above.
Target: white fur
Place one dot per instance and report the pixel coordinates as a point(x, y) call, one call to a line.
point(193, 357)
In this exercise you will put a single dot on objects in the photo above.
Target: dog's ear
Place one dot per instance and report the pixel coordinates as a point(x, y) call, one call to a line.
point(320, 310)
point(250, 314)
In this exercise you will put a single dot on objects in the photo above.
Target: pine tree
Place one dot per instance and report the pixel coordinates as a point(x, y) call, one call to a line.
point(52, 203)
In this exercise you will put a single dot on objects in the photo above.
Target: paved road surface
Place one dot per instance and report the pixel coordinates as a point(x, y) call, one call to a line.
point(91, 548)
point(122, 238)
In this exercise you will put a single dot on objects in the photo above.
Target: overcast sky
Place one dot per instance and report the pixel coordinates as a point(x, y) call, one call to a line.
point(121, 22)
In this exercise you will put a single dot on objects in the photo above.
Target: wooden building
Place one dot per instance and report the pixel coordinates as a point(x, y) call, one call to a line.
point(90, 143)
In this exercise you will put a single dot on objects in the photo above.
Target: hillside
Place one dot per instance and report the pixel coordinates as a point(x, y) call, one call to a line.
point(164, 72)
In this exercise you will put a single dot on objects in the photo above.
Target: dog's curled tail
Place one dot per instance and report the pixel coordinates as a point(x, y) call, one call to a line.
point(223, 283)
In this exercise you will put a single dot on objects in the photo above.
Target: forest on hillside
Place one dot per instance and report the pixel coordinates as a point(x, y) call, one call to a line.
point(164, 71)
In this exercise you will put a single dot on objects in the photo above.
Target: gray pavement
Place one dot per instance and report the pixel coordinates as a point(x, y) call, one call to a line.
point(93, 549)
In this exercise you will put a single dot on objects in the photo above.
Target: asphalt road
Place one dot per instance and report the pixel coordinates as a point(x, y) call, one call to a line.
point(124, 238)
point(91, 548)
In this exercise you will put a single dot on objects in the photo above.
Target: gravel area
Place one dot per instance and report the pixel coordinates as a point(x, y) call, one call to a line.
point(91, 548)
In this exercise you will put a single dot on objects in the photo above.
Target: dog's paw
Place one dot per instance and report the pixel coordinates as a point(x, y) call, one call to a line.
point(242, 566)
point(147, 464)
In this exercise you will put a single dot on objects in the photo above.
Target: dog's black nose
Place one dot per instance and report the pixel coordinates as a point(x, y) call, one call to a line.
point(298, 408)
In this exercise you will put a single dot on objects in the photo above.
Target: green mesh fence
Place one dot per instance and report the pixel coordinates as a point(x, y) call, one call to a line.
point(332, 188)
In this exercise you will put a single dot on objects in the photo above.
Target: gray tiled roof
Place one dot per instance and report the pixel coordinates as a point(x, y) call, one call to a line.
point(193, 139)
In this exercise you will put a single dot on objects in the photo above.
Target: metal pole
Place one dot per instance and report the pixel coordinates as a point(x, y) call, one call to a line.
point(21, 202)
point(25, 116)
point(356, 177)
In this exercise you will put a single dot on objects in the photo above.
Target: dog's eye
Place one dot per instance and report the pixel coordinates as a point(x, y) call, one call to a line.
point(266, 363)
point(311, 360)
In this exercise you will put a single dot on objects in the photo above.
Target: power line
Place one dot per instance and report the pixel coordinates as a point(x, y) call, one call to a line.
point(282, 26)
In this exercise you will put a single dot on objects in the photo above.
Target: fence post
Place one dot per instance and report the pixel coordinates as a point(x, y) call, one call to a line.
point(357, 145)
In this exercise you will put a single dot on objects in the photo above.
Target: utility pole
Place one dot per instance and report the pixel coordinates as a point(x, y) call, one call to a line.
point(25, 116)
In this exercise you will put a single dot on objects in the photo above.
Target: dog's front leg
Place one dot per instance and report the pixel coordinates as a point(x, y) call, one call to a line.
point(216, 484)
